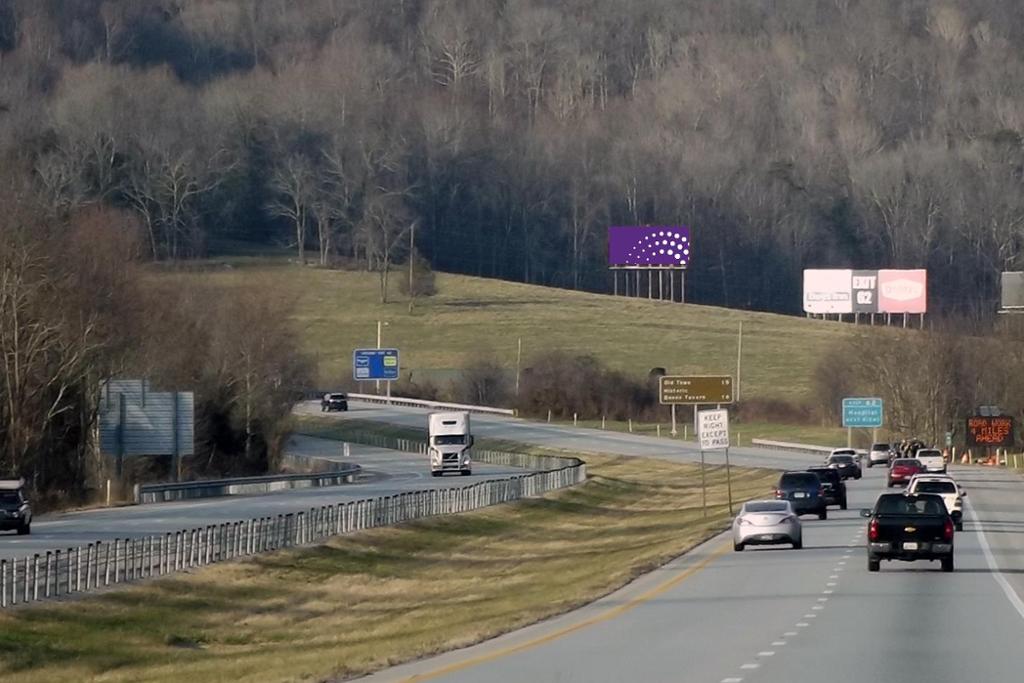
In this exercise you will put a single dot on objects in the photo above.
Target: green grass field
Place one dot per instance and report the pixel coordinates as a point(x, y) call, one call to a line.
point(364, 601)
point(473, 318)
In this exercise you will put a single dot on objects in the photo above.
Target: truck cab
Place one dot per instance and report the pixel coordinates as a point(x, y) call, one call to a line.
point(450, 443)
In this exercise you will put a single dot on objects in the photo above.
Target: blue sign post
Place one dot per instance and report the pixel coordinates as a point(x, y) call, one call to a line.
point(375, 364)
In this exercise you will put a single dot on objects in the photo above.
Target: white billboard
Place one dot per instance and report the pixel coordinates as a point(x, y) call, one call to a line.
point(828, 291)
point(713, 429)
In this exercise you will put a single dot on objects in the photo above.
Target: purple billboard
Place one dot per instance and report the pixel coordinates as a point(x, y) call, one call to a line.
point(660, 246)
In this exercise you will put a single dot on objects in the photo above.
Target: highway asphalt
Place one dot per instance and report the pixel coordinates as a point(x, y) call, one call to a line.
point(573, 439)
point(780, 615)
point(384, 473)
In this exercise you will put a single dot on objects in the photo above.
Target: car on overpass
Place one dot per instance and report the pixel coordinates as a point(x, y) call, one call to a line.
point(767, 522)
point(15, 511)
point(334, 401)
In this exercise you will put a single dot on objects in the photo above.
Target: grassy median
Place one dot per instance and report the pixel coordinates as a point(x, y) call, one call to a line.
point(368, 600)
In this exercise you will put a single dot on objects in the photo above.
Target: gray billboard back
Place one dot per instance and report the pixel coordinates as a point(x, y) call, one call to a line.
point(1012, 290)
point(137, 421)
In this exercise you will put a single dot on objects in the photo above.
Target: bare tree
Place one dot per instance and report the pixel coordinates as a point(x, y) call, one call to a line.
point(294, 183)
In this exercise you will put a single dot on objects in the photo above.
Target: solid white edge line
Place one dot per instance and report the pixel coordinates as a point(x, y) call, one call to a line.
point(1011, 594)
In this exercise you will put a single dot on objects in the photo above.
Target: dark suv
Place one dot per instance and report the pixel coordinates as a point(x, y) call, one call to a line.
point(334, 402)
point(15, 512)
point(832, 482)
point(804, 491)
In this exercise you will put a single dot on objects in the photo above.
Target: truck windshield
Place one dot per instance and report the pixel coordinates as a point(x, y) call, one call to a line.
point(449, 440)
point(9, 498)
point(908, 505)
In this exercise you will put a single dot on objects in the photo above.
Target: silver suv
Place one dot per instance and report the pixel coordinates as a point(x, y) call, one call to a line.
point(879, 454)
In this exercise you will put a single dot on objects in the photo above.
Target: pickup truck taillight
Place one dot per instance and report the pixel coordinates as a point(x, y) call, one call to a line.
point(821, 492)
point(779, 493)
point(873, 530)
point(947, 529)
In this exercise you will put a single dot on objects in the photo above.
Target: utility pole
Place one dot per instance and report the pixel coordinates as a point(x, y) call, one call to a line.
point(377, 382)
point(739, 360)
point(412, 253)
point(519, 360)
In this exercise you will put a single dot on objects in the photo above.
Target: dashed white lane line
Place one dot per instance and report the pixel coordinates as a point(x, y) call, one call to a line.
point(789, 634)
point(732, 680)
point(766, 653)
point(832, 583)
point(778, 643)
point(802, 624)
point(750, 665)
point(822, 599)
point(810, 615)
point(818, 607)
point(842, 562)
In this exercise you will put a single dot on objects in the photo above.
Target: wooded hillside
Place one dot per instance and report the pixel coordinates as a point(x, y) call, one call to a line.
point(788, 133)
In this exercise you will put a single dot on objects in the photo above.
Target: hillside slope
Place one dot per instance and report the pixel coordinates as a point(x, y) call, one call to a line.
point(473, 318)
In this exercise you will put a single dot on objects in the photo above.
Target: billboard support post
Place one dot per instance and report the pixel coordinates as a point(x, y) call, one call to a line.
point(674, 430)
point(849, 437)
point(739, 360)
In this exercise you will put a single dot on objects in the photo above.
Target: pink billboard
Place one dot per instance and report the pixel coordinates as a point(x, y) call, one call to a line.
point(902, 291)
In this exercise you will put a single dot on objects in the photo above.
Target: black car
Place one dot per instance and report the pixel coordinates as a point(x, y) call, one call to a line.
point(908, 528)
point(835, 487)
point(846, 462)
point(804, 491)
point(15, 512)
point(334, 402)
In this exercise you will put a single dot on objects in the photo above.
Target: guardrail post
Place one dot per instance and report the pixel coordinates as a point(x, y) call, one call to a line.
point(35, 577)
point(46, 575)
point(3, 583)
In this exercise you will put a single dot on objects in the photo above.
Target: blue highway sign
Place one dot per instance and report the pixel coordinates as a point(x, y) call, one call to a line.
point(862, 412)
point(375, 364)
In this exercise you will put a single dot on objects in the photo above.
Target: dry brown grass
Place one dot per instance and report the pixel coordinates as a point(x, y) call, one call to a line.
point(365, 601)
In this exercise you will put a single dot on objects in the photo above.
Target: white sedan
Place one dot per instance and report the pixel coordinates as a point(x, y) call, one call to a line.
point(766, 522)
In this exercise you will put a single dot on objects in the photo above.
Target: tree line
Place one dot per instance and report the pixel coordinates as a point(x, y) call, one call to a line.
point(76, 309)
point(510, 133)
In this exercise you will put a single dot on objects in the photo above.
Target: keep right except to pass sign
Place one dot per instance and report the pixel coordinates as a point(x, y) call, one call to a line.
point(713, 429)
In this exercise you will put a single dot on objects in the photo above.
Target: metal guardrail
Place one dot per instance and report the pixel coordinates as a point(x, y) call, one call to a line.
point(95, 566)
point(803, 447)
point(242, 486)
point(420, 403)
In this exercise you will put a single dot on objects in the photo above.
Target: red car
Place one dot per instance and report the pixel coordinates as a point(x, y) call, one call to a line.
point(902, 470)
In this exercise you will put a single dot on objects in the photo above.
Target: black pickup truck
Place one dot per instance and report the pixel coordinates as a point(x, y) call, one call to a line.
point(908, 528)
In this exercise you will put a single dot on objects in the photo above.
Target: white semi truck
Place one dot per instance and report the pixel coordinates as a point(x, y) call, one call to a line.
point(450, 443)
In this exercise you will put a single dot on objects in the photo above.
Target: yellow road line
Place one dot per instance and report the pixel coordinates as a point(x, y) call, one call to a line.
point(564, 631)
